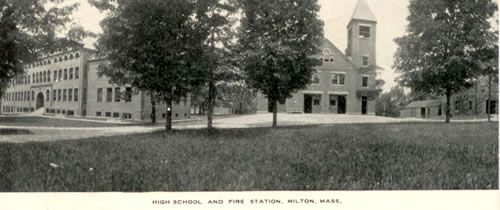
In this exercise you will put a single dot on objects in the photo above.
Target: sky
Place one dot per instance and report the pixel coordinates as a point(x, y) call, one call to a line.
point(391, 16)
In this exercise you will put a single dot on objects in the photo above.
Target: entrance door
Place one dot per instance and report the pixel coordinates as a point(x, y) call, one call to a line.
point(39, 101)
point(308, 103)
point(341, 105)
point(364, 104)
point(491, 107)
point(422, 112)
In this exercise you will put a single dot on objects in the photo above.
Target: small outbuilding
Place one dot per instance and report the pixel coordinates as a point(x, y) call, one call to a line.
point(423, 109)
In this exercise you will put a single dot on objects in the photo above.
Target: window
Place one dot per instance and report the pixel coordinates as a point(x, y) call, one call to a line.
point(47, 98)
point(282, 101)
point(470, 105)
point(117, 94)
point(55, 75)
point(116, 115)
point(77, 73)
point(70, 95)
point(29, 79)
point(109, 94)
point(127, 116)
point(326, 60)
point(55, 60)
point(48, 76)
point(76, 94)
point(70, 73)
point(332, 60)
point(65, 74)
point(364, 83)
point(59, 93)
point(338, 79)
point(316, 102)
point(54, 95)
point(364, 31)
point(64, 95)
point(44, 76)
point(326, 52)
point(71, 113)
point(60, 75)
point(333, 102)
point(98, 114)
point(71, 56)
point(99, 94)
point(108, 114)
point(365, 60)
point(77, 55)
point(65, 57)
point(315, 79)
point(128, 94)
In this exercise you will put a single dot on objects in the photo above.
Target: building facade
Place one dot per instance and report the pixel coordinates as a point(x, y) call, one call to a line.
point(343, 83)
point(67, 83)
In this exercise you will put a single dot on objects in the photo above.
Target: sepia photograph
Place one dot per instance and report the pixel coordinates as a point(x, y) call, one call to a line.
point(272, 104)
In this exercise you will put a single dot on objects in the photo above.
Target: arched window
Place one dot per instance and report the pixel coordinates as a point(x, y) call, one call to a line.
point(60, 59)
point(327, 52)
point(77, 55)
point(48, 61)
point(44, 62)
point(71, 56)
point(65, 57)
point(55, 60)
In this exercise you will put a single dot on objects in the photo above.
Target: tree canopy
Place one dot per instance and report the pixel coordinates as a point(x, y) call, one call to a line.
point(277, 40)
point(28, 28)
point(437, 55)
point(155, 46)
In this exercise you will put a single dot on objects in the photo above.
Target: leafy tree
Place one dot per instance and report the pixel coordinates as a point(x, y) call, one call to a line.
point(277, 40)
point(437, 53)
point(28, 28)
point(218, 19)
point(488, 62)
point(389, 104)
point(156, 45)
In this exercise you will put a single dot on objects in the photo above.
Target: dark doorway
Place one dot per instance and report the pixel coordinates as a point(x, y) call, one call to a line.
point(308, 102)
point(341, 105)
point(491, 107)
point(39, 101)
point(364, 105)
point(422, 112)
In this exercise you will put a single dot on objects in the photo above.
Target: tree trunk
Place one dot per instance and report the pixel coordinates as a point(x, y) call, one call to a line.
point(275, 113)
point(153, 111)
point(489, 98)
point(211, 104)
point(448, 109)
point(168, 121)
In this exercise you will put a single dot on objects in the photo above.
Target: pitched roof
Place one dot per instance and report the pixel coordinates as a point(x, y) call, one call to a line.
point(332, 46)
point(428, 103)
point(363, 12)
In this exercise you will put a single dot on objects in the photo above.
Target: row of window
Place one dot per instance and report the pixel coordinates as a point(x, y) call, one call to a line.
point(338, 79)
point(19, 96)
point(44, 76)
point(127, 96)
point(60, 111)
point(10, 109)
point(126, 116)
point(56, 60)
point(63, 95)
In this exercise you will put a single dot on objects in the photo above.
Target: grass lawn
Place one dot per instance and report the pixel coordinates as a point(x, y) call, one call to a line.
point(54, 122)
point(409, 156)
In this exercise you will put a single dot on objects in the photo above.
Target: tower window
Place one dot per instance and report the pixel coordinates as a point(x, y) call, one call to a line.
point(365, 60)
point(365, 81)
point(364, 31)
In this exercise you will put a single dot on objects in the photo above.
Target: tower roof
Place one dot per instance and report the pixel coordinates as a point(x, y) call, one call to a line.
point(363, 12)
